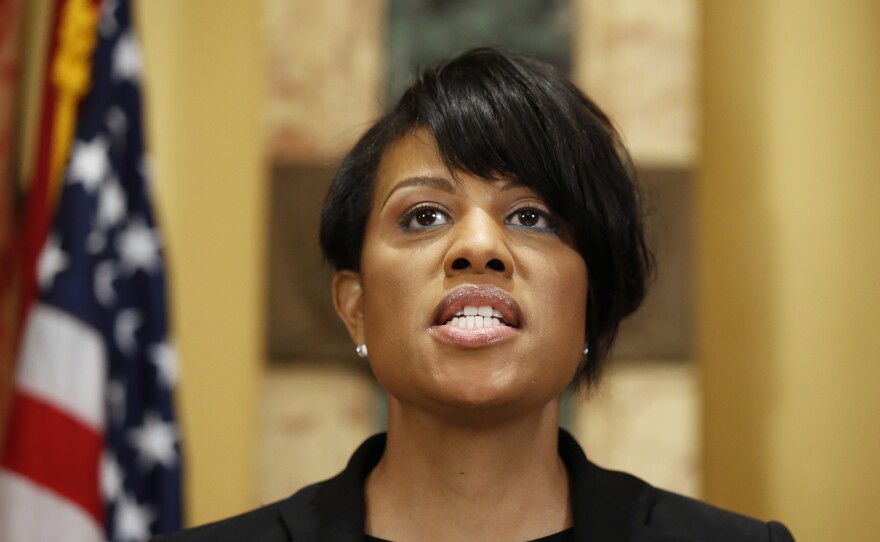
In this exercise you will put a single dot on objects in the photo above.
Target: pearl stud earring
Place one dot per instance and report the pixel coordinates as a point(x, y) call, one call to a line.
point(361, 350)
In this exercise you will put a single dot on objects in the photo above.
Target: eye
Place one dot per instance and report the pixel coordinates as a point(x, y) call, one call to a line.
point(423, 217)
point(533, 218)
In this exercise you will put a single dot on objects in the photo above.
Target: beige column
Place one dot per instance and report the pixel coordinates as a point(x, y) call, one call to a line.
point(205, 77)
point(789, 256)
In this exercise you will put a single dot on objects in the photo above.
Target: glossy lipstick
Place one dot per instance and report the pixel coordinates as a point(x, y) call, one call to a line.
point(504, 308)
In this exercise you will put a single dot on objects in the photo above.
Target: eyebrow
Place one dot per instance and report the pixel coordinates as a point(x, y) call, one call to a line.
point(441, 183)
point(432, 182)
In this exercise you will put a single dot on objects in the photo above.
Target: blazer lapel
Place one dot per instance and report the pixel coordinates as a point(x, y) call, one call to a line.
point(607, 505)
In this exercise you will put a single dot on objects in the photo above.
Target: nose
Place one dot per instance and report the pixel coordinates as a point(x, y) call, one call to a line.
point(478, 246)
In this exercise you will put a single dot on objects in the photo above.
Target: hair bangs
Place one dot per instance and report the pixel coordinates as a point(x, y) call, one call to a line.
point(490, 120)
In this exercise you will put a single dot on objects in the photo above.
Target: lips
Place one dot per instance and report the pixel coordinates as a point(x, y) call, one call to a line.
point(471, 295)
point(497, 319)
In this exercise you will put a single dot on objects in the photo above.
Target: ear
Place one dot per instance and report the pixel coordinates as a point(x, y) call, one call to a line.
point(348, 301)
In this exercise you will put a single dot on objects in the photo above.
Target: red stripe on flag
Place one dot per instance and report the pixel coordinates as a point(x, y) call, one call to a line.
point(56, 451)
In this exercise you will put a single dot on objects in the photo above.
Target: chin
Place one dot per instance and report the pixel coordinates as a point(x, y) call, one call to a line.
point(473, 385)
point(478, 396)
point(490, 398)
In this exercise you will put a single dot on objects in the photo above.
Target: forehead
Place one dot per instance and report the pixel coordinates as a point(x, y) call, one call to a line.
point(414, 154)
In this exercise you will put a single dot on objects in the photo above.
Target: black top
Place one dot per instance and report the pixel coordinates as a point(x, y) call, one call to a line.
point(607, 506)
point(562, 536)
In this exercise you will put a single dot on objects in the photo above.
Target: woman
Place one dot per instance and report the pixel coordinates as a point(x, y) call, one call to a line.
point(488, 243)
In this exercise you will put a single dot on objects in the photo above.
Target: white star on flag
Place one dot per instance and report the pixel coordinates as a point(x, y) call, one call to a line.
point(105, 273)
point(110, 212)
point(111, 477)
point(127, 322)
point(111, 203)
point(53, 260)
point(138, 247)
point(89, 163)
point(126, 58)
point(96, 241)
point(116, 401)
point(116, 121)
point(132, 519)
point(164, 358)
point(154, 440)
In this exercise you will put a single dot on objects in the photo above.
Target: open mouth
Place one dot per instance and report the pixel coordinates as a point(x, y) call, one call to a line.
point(474, 306)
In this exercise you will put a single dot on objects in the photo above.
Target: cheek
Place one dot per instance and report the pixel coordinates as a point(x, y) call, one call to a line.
point(394, 284)
point(397, 308)
point(569, 296)
point(562, 292)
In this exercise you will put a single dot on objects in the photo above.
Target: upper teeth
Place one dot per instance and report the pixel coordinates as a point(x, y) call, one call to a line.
point(476, 317)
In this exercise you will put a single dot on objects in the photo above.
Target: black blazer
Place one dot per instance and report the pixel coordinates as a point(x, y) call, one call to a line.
point(607, 506)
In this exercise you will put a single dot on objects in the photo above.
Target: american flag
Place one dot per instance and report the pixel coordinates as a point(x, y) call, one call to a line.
point(92, 450)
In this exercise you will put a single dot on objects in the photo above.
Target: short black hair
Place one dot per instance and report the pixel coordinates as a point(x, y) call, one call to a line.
point(495, 114)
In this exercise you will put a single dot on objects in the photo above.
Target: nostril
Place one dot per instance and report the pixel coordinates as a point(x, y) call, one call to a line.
point(495, 264)
point(460, 263)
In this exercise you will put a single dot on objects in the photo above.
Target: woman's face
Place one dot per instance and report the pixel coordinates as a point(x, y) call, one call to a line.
point(471, 294)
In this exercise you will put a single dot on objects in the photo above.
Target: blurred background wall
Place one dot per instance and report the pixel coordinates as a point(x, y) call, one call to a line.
point(205, 104)
point(748, 379)
point(789, 253)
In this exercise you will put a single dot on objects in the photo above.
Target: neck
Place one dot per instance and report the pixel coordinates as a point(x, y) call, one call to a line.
point(442, 480)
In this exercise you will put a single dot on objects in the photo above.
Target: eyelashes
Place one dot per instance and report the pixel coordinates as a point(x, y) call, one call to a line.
point(427, 216)
point(534, 218)
point(424, 216)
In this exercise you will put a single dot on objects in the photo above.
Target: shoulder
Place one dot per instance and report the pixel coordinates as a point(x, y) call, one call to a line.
point(260, 524)
point(329, 510)
point(613, 505)
point(265, 523)
point(692, 520)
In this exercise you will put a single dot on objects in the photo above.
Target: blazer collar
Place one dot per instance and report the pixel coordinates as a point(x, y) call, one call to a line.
point(607, 505)
point(333, 511)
